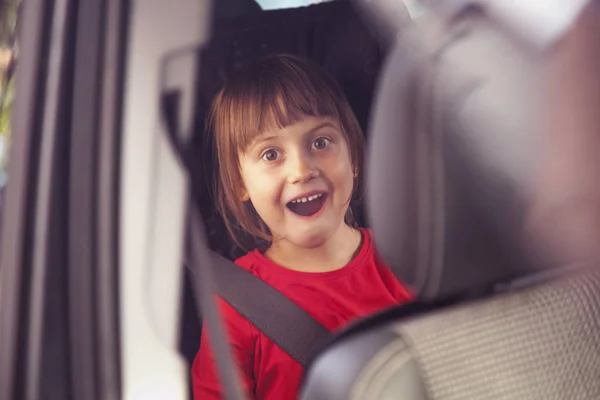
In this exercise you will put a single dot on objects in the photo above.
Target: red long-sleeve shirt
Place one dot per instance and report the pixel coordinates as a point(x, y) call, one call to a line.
point(333, 298)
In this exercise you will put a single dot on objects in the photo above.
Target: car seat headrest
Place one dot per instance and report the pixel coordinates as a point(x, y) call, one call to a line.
point(453, 148)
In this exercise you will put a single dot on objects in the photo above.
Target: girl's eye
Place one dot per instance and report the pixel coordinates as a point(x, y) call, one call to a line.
point(320, 143)
point(271, 155)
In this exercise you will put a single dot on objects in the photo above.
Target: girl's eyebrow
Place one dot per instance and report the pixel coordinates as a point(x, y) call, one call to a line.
point(321, 126)
point(261, 139)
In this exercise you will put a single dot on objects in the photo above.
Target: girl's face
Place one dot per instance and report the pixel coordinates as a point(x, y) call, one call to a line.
point(300, 180)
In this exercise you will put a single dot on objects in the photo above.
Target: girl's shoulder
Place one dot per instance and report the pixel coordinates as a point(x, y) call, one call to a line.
point(367, 232)
point(248, 261)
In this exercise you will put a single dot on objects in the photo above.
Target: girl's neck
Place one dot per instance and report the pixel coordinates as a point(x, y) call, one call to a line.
point(334, 254)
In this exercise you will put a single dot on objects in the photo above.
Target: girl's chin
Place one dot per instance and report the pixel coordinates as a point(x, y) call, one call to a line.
point(311, 242)
point(311, 237)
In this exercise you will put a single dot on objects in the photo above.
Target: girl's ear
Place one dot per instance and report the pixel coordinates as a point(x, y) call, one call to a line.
point(244, 195)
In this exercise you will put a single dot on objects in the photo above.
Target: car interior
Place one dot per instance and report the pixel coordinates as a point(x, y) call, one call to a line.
point(467, 246)
point(112, 247)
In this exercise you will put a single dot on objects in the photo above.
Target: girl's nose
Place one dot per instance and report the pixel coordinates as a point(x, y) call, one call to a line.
point(301, 169)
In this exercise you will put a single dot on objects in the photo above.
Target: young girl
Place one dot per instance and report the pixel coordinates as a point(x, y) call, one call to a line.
point(290, 154)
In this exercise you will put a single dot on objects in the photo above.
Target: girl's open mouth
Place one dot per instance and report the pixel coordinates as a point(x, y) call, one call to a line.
point(308, 206)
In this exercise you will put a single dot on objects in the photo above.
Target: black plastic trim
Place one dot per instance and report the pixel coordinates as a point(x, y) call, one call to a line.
point(51, 130)
point(83, 200)
point(109, 366)
point(347, 358)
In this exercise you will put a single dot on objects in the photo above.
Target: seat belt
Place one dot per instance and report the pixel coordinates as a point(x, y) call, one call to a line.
point(270, 311)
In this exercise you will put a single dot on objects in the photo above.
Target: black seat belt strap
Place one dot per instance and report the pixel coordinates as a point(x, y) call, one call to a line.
point(270, 311)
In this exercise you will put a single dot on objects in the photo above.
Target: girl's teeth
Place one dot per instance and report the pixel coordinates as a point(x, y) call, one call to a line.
point(309, 198)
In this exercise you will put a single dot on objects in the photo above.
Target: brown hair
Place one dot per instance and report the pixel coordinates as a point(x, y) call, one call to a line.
point(275, 92)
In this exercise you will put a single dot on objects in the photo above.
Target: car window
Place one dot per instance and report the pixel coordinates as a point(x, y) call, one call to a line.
point(9, 11)
point(278, 4)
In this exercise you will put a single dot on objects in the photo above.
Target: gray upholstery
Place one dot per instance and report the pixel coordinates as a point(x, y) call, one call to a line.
point(538, 343)
point(444, 181)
